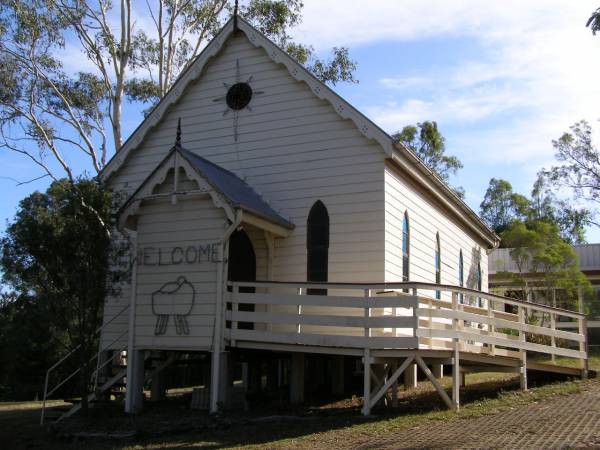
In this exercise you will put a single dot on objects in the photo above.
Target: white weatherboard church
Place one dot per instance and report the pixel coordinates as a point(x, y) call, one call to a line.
point(270, 230)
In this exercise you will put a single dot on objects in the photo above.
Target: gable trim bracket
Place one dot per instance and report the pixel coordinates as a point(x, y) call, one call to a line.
point(393, 150)
point(366, 127)
point(158, 177)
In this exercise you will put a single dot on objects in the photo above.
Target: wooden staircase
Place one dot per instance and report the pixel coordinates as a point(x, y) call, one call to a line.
point(94, 395)
point(97, 390)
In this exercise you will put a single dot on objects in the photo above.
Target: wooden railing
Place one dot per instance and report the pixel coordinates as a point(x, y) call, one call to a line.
point(290, 317)
point(400, 316)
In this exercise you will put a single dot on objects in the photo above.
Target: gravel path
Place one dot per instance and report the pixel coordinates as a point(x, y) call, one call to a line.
point(571, 421)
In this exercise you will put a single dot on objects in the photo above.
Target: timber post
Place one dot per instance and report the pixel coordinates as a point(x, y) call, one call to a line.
point(366, 410)
point(456, 376)
point(297, 379)
point(523, 352)
point(410, 374)
point(131, 359)
point(583, 345)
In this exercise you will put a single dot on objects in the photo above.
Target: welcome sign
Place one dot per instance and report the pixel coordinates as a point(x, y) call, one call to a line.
point(175, 299)
point(190, 254)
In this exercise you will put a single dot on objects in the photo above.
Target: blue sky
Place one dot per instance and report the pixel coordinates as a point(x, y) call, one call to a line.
point(501, 78)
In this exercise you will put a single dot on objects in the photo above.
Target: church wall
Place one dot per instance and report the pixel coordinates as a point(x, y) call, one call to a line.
point(173, 241)
point(292, 148)
point(425, 219)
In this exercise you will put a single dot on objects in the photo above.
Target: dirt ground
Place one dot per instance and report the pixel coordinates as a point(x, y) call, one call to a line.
point(564, 413)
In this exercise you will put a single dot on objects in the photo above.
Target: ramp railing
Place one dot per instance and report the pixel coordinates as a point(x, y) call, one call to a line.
point(401, 316)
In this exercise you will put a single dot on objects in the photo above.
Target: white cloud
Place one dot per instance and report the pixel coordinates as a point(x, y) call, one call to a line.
point(403, 83)
point(537, 73)
point(354, 22)
point(448, 106)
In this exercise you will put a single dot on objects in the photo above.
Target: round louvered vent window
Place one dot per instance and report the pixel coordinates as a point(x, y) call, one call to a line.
point(239, 96)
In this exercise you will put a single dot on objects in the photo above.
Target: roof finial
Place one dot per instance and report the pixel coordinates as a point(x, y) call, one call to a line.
point(235, 16)
point(178, 138)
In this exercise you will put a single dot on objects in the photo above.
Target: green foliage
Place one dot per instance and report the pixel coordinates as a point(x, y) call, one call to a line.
point(594, 21)
point(142, 90)
point(273, 18)
point(426, 141)
point(578, 173)
point(546, 207)
point(29, 344)
point(340, 67)
point(85, 92)
point(538, 248)
point(501, 207)
point(55, 259)
point(579, 168)
point(522, 241)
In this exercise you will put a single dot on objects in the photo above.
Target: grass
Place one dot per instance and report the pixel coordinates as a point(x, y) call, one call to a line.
point(329, 431)
point(324, 424)
point(19, 422)
point(593, 361)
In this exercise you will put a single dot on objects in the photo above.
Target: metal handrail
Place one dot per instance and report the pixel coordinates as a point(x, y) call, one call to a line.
point(64, 358)
point(53, 390)
point(97, 355)
point(68, 413)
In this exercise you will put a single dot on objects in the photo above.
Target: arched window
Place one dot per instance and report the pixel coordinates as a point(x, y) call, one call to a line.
point(405, 248)
point(479, 302)
point(438, 264)
point(461, 275)
point(317, 246)
point(241, 267)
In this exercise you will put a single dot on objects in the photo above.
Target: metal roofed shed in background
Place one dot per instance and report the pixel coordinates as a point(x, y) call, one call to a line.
point(588, 255)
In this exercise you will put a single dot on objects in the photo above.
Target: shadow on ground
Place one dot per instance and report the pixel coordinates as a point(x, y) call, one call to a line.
point(171, 424)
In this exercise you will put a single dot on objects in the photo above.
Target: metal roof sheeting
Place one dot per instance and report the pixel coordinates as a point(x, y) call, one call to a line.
point(588, 255)
point(237, 191)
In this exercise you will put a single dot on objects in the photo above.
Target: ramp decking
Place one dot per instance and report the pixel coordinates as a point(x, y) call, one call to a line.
point(394, 325)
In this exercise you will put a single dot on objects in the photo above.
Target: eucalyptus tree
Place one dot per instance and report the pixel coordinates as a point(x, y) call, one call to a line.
point(579, 164)
point(501, 205)
point(426, 141)
point(546, 206)
point(594, 21)
point(132, 51)
point(57, 259)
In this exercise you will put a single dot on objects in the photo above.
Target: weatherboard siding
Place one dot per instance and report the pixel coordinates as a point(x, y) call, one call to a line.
point(188, 223)
point(426, 218)
point(163, 225)
point(292, 148)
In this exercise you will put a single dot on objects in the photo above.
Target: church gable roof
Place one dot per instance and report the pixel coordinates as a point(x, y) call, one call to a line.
point(234, 191)
point(393, 150)
point(366, 127)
